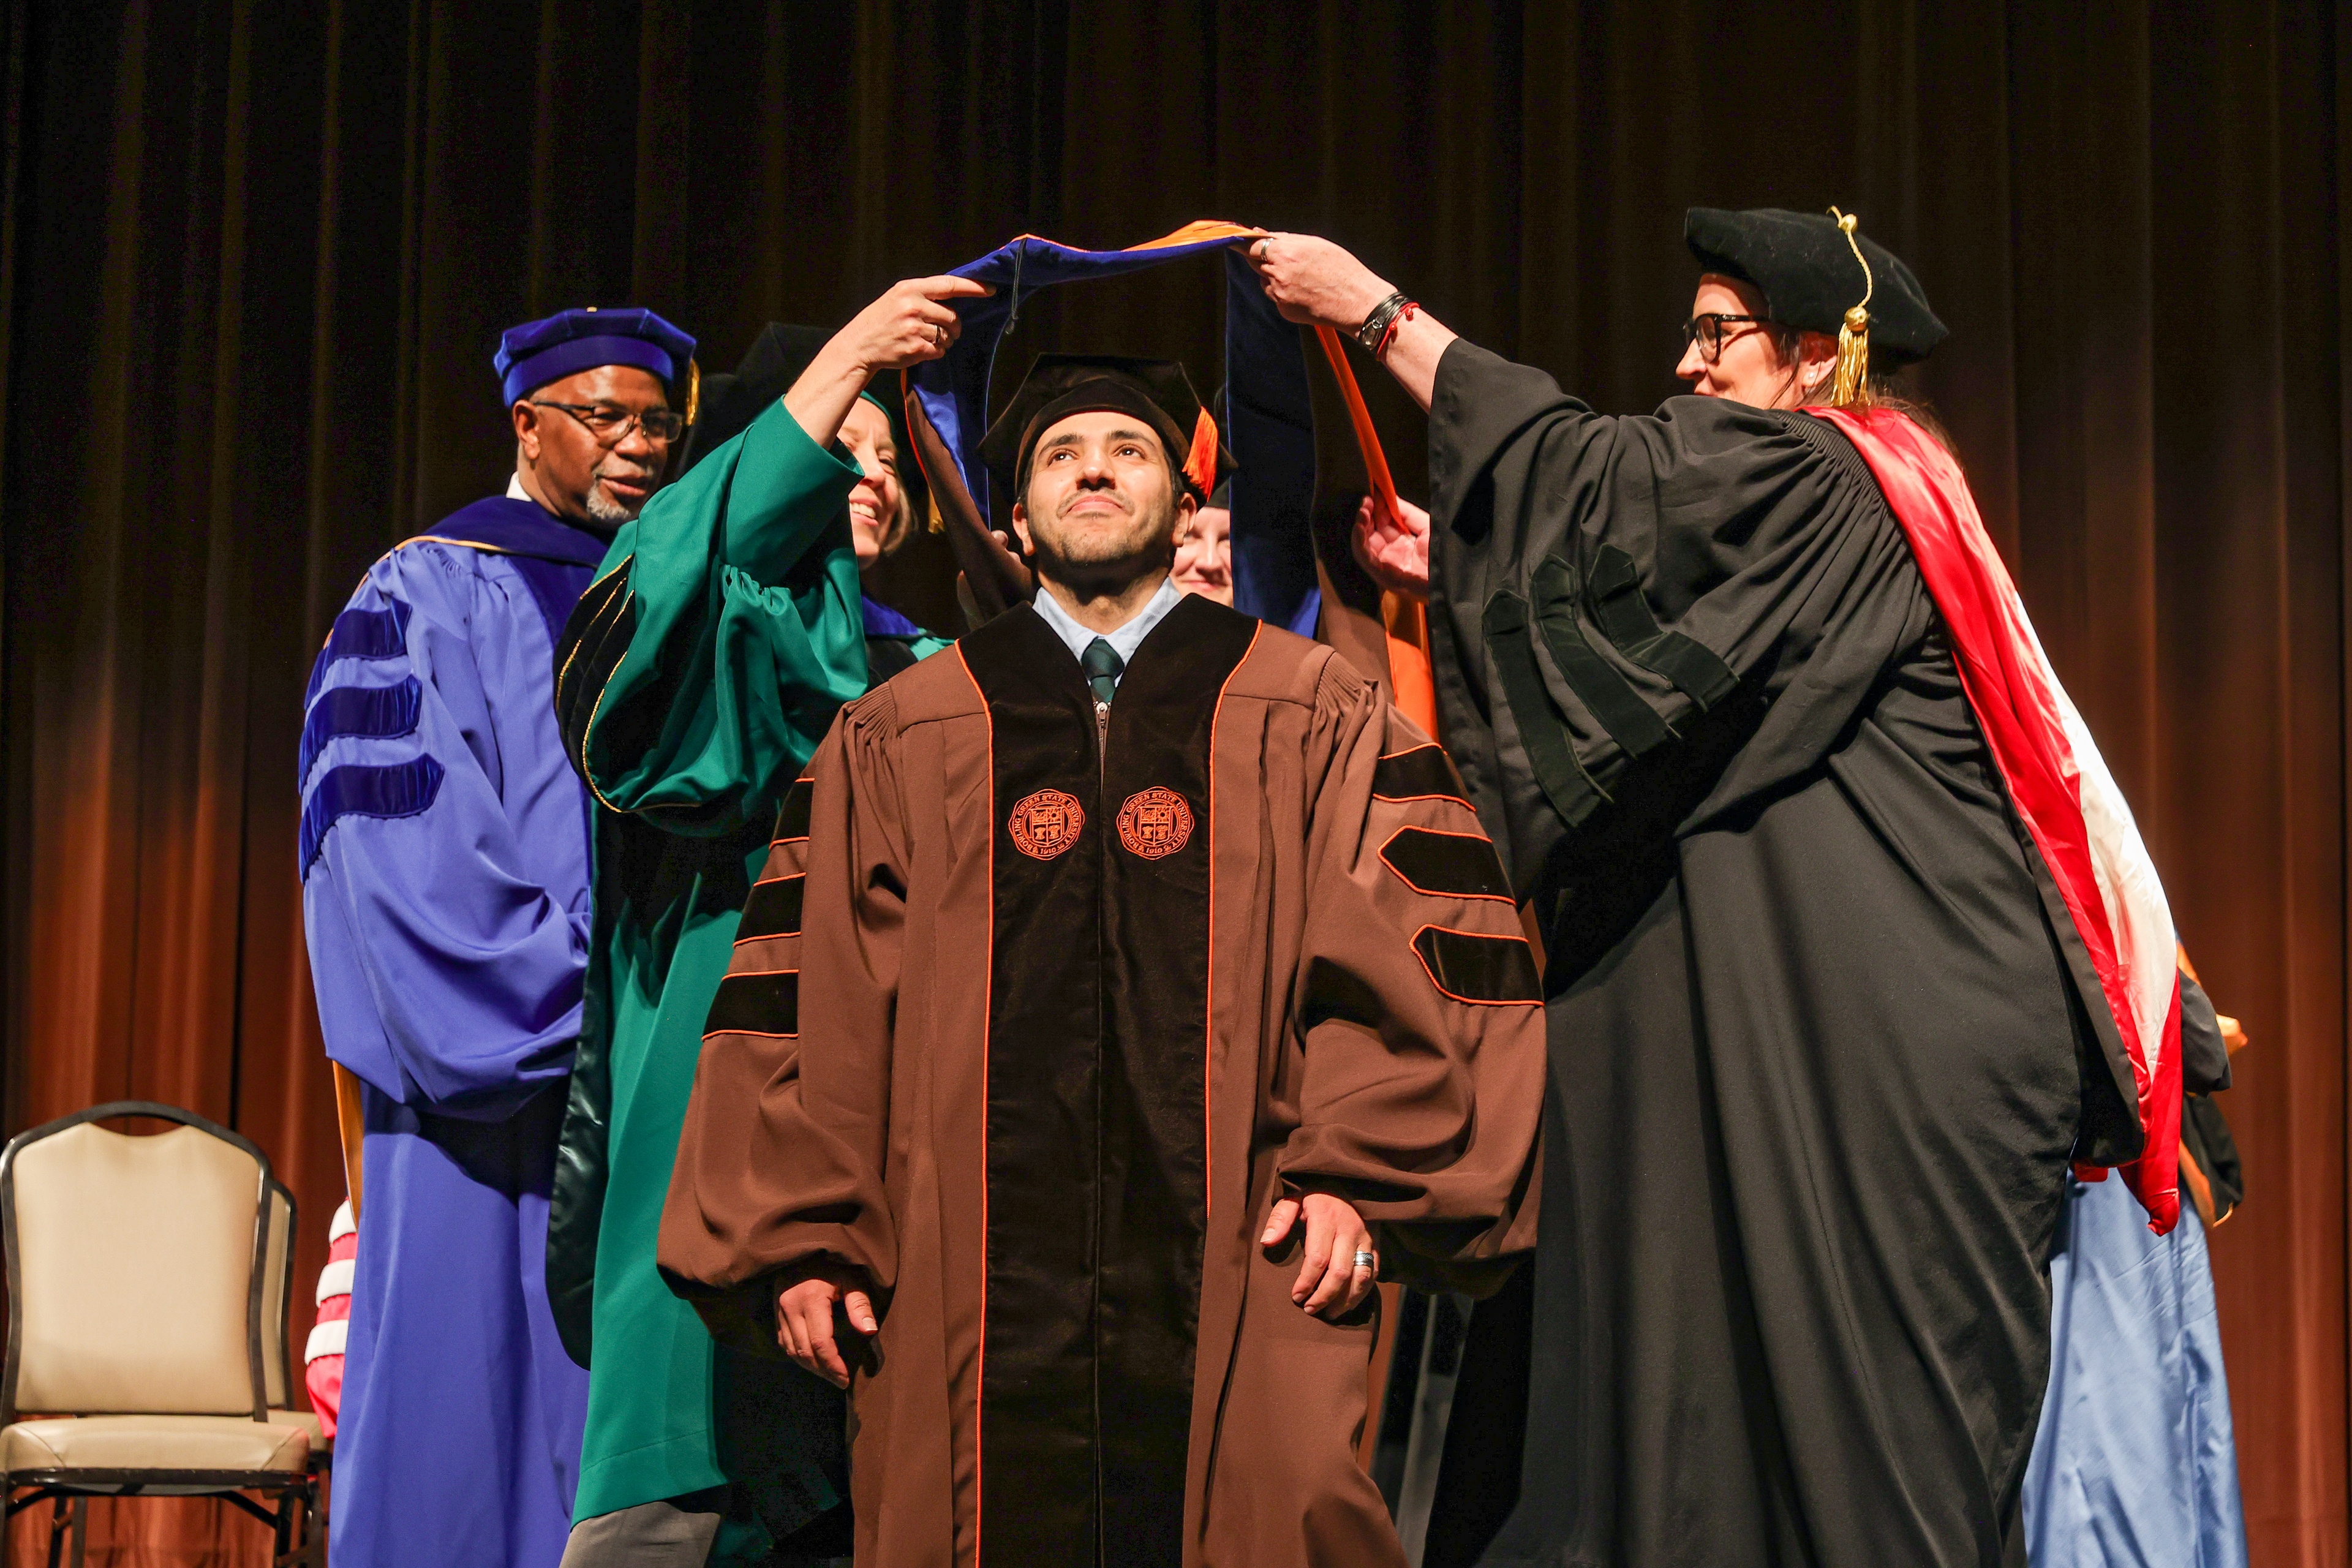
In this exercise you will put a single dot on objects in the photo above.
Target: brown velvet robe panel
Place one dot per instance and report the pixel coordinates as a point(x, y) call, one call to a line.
point(1349, 882)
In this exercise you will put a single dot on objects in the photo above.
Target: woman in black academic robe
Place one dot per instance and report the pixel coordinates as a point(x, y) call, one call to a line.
point(1820, 1058)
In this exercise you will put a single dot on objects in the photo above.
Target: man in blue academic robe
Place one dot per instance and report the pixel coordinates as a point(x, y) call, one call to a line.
point(445, 863)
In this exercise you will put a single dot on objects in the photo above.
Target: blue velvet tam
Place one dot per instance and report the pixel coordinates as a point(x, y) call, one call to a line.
point(532, 355)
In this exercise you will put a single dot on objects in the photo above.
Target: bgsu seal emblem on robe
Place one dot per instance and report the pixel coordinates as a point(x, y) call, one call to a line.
point(1154, 823)
point(1044, 824)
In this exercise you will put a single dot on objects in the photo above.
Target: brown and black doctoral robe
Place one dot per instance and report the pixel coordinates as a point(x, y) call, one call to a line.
point(1028, 1029)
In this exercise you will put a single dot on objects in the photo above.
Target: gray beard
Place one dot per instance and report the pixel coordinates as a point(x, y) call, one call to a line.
point(604, 509)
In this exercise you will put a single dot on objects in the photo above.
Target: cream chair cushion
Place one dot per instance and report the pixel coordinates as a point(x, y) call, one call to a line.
point(306, 1419)
point(154, 1442)
point(136, 1259)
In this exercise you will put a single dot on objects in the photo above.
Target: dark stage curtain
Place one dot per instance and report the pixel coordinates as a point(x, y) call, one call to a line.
point(254, 256)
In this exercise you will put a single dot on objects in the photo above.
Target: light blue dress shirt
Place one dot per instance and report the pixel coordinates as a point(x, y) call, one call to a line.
point(1124, 641)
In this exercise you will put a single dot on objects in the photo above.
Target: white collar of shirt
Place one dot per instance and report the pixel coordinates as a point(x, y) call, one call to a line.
point(515, 491)
point(1124, 641)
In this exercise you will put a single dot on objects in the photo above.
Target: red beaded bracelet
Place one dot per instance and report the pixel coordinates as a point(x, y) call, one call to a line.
point(1381, 351)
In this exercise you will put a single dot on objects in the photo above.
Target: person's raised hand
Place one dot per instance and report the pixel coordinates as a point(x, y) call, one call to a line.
point(911, 322)
point(1314, 282)
point(805, 1326)
point(1331, 1282)
point(1395, 550)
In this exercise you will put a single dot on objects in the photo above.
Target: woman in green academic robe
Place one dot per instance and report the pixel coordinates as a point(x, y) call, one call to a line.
point(700, 672)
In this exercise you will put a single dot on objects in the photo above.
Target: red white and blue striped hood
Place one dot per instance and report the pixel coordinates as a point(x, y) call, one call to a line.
point(2058, 782)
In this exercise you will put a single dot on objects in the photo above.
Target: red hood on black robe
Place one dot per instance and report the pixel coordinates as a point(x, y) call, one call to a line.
point(2057, 781)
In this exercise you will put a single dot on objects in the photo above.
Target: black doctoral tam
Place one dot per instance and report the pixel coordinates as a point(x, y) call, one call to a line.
point(1809, 278)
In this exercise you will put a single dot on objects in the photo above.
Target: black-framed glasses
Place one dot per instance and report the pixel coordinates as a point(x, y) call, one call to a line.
point(1707, 331)
point(612, 426)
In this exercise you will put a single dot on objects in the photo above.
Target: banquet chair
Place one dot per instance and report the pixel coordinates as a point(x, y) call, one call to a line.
point(148, 1279)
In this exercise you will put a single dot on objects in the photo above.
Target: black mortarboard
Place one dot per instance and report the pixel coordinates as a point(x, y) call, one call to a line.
point(731, 400)
point(1809, 278)
point(1156, 391)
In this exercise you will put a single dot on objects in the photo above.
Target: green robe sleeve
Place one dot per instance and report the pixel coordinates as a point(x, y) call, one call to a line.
point(707, 660)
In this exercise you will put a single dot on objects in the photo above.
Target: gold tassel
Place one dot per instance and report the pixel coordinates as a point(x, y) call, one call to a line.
point(1852, 387)
point(693, 391)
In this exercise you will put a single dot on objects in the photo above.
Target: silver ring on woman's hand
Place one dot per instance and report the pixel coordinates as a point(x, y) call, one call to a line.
point(1258, 250)
point(1366, 1258)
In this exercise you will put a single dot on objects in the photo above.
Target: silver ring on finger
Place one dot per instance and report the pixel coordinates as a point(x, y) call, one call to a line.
point(939, 336)
point(1366, 1258)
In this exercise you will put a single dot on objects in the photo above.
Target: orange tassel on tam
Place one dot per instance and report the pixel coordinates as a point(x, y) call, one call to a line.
point(1201, 462)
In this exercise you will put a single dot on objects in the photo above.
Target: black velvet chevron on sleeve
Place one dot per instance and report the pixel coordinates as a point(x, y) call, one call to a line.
point(792, 815)
point(1543, 734)
point(757, 1004)
point(1446, 865)
point(773, 909)
point(1472, 967)
point(1423, 773)
point(1632, 723)
point(1626, 620)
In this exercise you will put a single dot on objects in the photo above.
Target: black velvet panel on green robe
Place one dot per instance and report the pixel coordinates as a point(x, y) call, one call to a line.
point(1096, 1058)
point(1819, 1053)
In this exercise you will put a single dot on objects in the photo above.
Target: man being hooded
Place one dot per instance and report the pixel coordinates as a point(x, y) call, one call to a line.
point(1114, 978)
point(1852, 942)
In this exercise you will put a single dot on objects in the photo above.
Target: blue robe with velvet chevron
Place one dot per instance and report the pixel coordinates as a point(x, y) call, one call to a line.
point(444, 869)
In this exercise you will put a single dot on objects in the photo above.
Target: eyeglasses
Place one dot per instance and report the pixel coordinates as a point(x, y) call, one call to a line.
point(612, 426)
point(1707, 331)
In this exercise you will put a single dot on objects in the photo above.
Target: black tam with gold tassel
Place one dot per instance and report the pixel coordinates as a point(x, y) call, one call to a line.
point(1804, 266)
